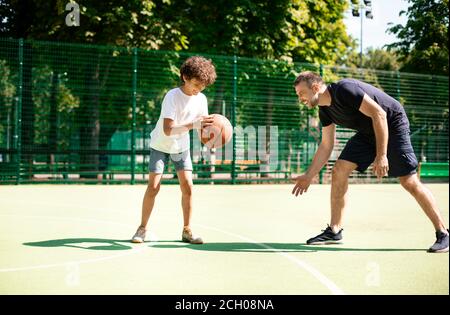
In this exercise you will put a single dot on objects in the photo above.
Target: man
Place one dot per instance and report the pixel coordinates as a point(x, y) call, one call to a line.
point(382, 138)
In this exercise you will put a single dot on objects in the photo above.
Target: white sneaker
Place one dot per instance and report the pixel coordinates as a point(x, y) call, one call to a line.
point(188, 237)
point(139, 236)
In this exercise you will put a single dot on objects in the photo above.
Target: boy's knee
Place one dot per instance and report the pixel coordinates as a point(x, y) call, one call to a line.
point(153, 190)
point(186, 189)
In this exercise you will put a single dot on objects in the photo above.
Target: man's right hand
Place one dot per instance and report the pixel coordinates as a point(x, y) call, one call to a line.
point(301, 184)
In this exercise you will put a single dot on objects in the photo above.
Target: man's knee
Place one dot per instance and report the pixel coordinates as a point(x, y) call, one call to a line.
point(411, 183)
point(342, 170)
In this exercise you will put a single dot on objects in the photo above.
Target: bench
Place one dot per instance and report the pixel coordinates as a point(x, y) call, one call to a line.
point(433, 170)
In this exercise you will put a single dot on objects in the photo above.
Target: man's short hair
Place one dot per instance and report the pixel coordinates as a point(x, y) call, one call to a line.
point(309, 77)
point(199, 68)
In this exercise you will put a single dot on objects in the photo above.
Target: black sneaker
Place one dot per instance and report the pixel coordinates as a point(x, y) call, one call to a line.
point(328, 237)
point(441, 244)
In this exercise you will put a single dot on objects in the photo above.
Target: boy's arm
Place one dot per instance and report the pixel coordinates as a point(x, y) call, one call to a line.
point(320, 158)
point(170, 129)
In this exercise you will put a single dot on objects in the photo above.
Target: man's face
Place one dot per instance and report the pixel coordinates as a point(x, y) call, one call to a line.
point(193, 86)
point(308, 95)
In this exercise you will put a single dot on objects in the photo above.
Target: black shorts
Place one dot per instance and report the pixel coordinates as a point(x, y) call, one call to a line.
point(361, 150)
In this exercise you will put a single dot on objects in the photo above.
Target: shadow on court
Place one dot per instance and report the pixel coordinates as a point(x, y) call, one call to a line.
point(84, 243)
point(278, 247)
point(108, 244)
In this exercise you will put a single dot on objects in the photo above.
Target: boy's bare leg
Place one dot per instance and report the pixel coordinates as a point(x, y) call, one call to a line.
point(185, 179)
point(154, 184)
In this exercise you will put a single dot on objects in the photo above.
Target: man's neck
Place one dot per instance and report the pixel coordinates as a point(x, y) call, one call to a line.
point(324, 96)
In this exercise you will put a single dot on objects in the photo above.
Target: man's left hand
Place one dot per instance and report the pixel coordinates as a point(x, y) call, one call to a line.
point(381, 166)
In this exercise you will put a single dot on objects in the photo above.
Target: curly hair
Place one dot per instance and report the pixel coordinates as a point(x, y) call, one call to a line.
point(199, 68)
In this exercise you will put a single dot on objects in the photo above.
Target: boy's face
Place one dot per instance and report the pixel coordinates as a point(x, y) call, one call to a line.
point(193, 86)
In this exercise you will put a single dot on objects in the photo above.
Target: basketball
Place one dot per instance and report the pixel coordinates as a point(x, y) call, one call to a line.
point(218, 134)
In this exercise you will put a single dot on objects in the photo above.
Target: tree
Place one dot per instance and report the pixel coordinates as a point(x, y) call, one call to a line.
point(423, 45)
point(120, 23)
point(376, 59)
point(299, 30)
point(292, 30)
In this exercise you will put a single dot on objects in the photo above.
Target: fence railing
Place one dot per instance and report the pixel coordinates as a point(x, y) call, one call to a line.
point(72, 113)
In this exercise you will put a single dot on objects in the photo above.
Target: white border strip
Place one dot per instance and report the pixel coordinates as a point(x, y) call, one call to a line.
point(128, 252)
point(334, 289)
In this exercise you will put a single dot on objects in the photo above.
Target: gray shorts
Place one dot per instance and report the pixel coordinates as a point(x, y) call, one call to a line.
point(181, 161)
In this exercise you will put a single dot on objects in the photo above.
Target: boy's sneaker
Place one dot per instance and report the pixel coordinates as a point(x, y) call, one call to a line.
point(327, 237)
point(139, 236)
point(188, 237)
point(441, 244)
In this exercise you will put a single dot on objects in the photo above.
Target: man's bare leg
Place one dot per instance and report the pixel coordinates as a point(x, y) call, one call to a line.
point(425, 199)
point(339, 186)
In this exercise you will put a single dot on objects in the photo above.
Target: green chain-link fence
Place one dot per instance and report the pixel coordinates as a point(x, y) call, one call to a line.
point(83, 113)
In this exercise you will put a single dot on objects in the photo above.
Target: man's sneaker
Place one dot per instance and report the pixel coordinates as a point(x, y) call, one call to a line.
point(139, 236)
point(441, 244)
point(327, 237)
point(188, 237)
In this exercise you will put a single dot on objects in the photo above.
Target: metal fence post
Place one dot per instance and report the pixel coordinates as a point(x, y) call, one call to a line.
point(233, 120)
point(322, 170)
point(133, 127)
point(307, 138)
point(18, 134)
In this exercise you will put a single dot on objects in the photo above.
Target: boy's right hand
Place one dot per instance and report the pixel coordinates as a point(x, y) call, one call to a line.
point(203, 121)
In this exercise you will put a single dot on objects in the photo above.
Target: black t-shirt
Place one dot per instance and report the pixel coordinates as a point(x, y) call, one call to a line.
point(346, 98)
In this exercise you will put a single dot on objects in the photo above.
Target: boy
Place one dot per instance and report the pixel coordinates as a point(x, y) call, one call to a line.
point(183, 108)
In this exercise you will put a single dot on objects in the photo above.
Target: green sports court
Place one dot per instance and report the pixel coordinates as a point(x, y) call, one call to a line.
point(76, 240)
point(91, 90)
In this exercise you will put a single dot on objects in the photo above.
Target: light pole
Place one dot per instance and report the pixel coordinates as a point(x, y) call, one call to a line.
point(358, 8)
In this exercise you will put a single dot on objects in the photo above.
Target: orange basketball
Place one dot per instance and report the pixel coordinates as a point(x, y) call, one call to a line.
point(218, 134)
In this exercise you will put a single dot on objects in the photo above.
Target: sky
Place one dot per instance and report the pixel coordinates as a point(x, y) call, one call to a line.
point(374, 31)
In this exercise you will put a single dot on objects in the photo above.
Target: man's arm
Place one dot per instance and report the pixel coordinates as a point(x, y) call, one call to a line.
point(323, 152)
point(371, 109)
point(320, 158)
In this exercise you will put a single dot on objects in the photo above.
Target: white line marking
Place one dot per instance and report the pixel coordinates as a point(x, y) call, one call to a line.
point(334, 289)
point(133, 251)
point(152, 237)
point(53, 204)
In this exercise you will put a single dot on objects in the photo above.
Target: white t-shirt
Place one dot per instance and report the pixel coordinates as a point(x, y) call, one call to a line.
point(182, 109)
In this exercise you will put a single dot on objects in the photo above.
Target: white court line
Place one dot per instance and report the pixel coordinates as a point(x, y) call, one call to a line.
point(64, 218)
point(53, 204)
point(133, 251)
point(130, 252)
point(334, 289)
